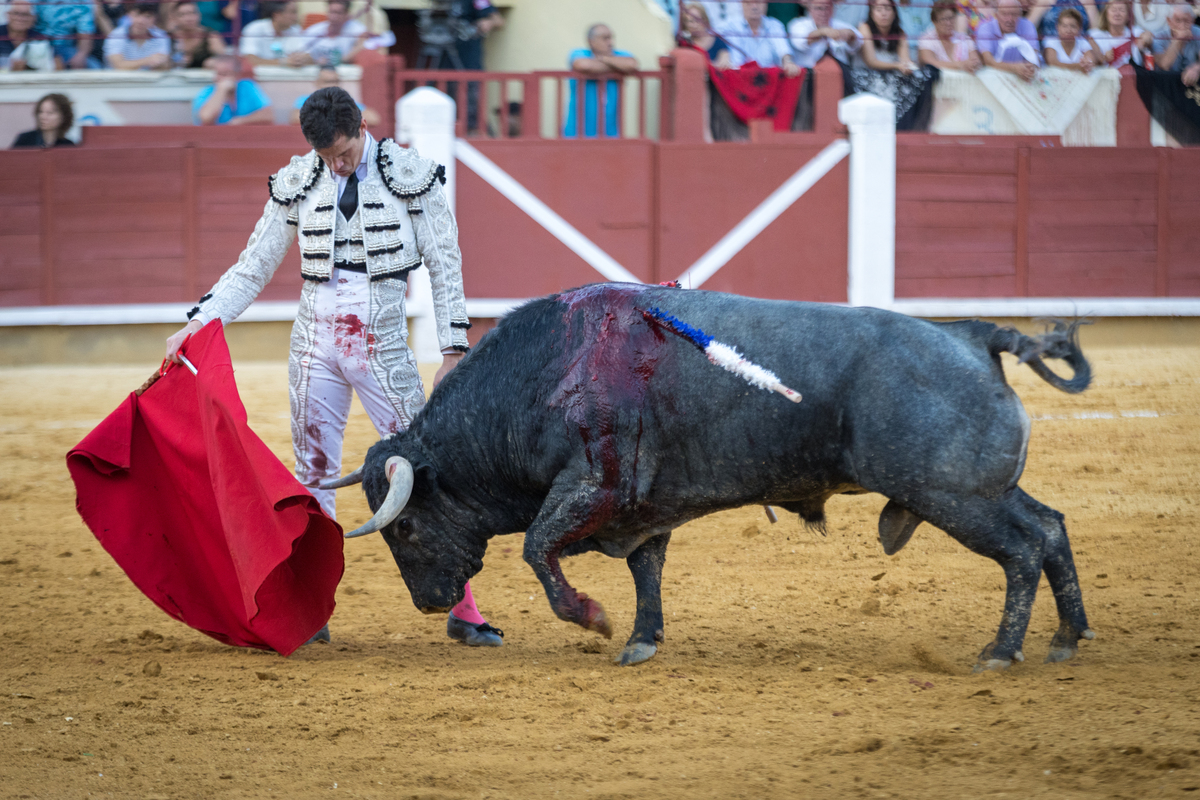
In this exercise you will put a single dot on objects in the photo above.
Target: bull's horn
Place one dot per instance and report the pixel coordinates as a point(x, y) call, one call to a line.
point(345, 480)
point(400, 476)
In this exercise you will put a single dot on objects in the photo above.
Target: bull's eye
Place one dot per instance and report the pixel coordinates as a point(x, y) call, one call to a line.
point(405, 524)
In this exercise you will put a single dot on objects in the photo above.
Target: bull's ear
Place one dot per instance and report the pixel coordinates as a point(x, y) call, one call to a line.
point(425, 478)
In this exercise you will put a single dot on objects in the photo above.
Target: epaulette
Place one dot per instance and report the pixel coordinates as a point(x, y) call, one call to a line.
point(293, 181)
point(404, 172)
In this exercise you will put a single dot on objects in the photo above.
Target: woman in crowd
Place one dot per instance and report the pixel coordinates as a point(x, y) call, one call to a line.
point(698, 32)
point(883, 68)
point(944, 47)
point(1069, 50)
point(192, 45)
point(1116, 41)
point(54, 118)
point(885, 46)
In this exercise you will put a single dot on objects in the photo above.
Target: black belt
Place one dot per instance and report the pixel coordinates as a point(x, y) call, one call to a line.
point(351, 267)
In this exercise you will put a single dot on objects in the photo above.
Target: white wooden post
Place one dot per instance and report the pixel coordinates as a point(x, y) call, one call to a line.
point(872, 256)
point(425, 121)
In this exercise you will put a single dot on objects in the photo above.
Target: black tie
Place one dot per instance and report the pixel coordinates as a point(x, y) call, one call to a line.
point(348, 205)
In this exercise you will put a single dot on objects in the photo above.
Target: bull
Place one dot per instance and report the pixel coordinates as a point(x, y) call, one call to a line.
point(582, 422)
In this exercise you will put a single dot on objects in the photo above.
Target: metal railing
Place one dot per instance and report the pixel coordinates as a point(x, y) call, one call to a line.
point(535, 105)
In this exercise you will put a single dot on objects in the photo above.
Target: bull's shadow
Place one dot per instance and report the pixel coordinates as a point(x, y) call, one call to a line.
point(583, 422)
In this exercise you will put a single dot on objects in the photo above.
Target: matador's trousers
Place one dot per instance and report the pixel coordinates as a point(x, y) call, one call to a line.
point(334, 362)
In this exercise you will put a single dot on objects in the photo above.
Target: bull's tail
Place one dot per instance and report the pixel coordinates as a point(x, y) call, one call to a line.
point(1061, 341)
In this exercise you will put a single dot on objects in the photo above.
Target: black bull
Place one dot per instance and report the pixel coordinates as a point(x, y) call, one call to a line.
point(591, 428)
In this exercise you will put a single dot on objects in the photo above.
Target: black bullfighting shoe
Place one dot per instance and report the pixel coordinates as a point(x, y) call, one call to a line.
point(481, 635)
point(320, 636)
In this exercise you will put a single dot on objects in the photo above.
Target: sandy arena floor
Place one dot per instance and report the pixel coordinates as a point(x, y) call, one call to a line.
point(794, 665)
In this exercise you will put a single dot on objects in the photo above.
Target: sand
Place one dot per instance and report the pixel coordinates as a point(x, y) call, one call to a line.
point(794, 665)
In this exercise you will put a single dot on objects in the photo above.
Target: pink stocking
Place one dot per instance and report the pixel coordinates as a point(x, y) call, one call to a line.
point(466, 610)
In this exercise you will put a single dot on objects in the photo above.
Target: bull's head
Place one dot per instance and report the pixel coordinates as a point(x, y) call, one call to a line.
point(417, 522)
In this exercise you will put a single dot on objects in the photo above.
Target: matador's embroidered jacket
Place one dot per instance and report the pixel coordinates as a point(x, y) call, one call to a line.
point(403, 219)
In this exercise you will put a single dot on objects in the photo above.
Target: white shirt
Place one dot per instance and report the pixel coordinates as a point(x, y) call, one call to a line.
point(320, 45)
point(721, 13)
point(807, 55)
point(1081, 47)
point(361, 171)
point(767, 49)
point(259, 39)
point(1105, 41)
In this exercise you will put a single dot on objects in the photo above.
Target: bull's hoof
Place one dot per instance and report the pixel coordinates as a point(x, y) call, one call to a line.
point(992, 665)
point(636, 653)
point(1057, 654)
point(594, 618)
point(1089, 634)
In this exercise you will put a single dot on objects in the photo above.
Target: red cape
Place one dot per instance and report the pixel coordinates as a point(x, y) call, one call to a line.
point(754, 92)
point(202, 516)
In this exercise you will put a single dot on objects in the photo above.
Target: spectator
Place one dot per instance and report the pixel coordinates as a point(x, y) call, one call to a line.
point(193, 45)
point(944, 47)
point(1009, 42)
point(1181, 51)
point(20, 47)
point(230, 101)
point(139, 44)
point(472, 21)
point(338, 39)
point(1150, 16)
point(699, 33)
point(885, 45)
point(1117, 43)
point(276, 39)
point(972, 14)
point(1044, 14)
point(54, 118)
point(326, 77)
point(107, 17)
point(70, 26)
point(758, 38)
point(600, 57)
point(1069, 49)
point(819, 33)
point(883, 69)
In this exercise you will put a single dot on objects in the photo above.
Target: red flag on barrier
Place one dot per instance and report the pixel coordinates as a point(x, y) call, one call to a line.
point(202, 516)
point(754, 92)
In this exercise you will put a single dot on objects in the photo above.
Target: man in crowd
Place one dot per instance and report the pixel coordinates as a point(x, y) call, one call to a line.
point(600, 57)
point(756, 37)
point(231, 100)
point(138, 44)
point(276, 39)
point(338, 39)
point(819, 33)
point(326, 77)
point(1180, 53)
point(70, 27)
point(1009, 42)
point(20, 48)
point(367, 213)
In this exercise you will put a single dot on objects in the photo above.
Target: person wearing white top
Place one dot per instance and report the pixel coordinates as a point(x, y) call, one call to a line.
point(1118, 44)
point(338, 39)
point(1152, 17)
point(1069, 50)
point(758, 38)
point(277, 39)
point(818, 33)
point(942, 46)
point(721, 13)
